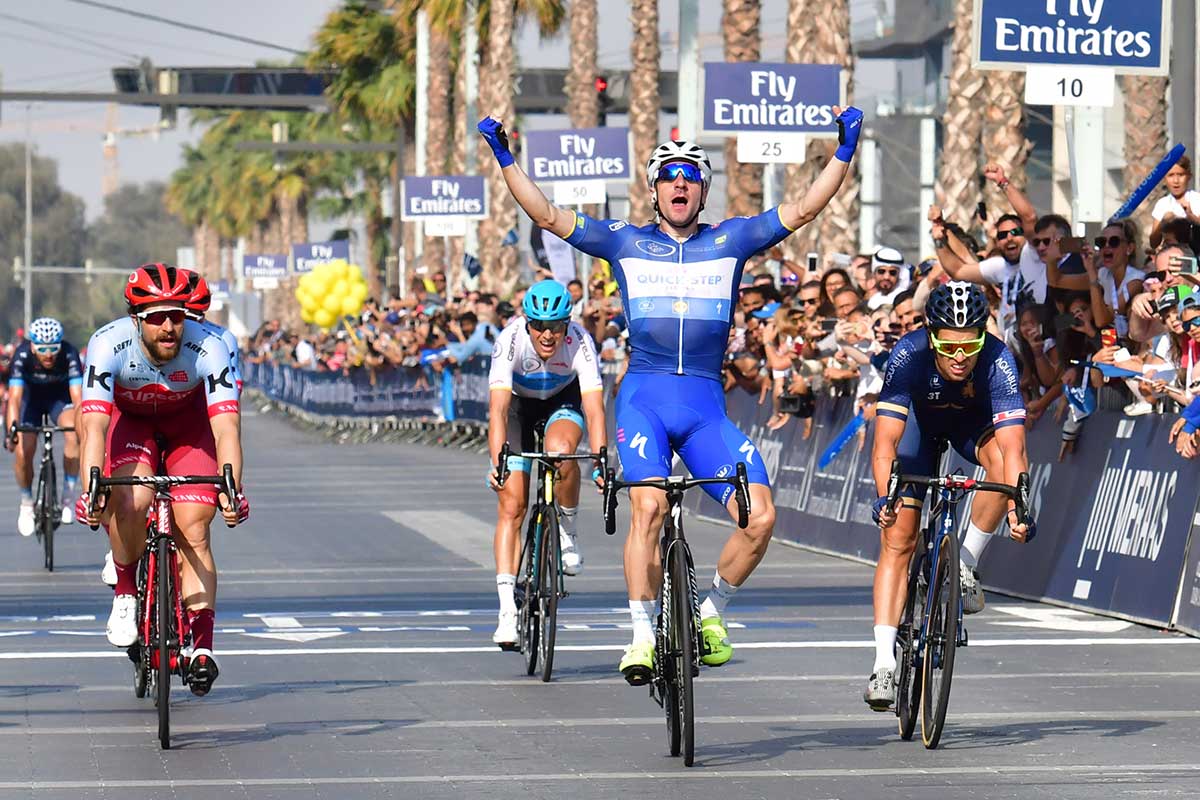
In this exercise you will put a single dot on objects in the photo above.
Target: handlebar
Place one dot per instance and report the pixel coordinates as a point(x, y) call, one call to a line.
point(99, 485)
point(1019, 494)
point(16, 428)
point(675, 484)
point(551, 460)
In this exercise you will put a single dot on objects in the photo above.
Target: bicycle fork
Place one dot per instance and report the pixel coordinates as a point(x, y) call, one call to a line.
point(933, 556)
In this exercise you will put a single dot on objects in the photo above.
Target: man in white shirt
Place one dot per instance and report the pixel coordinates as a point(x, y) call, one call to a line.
point(305, 354)
point(891, 275)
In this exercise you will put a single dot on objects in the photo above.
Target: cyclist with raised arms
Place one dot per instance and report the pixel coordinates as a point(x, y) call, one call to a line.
point(679, 280)
point(45, 379)
point(954, 381)
point(157, 374)
point(544, 371)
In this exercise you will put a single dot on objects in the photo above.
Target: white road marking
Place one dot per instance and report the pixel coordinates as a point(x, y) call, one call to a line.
point(604, 648)
point(1059, 619)
point(468, 537)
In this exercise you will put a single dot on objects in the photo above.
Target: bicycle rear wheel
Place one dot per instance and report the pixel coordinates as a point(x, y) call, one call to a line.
point(664, 663)
point(139, 651)
point(941, 642)
point(548, 576)
point(684, 648)
point(909, 678)
point(47, 508)
point(529, 619)
point(164, 603)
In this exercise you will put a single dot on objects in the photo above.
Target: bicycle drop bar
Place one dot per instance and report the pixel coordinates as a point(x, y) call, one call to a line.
point(15, 429)
point(549, 459)
point(1019, 494)
point(98, 484)
point(676, 484)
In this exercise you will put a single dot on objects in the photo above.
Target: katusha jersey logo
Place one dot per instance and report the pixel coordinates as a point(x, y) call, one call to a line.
point(653, 248)
point(178, 376)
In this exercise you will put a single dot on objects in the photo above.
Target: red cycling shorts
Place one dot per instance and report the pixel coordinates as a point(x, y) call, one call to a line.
point(191, 449)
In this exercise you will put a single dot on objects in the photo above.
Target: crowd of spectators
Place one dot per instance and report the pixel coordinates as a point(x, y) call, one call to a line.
point(1109, 322)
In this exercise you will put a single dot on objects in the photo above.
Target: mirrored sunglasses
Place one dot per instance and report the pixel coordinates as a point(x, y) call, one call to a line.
point(176, 315)
point(949, 349)
point(1002, 235)
point(554, 326)
point(690, 172)
point(46, 349)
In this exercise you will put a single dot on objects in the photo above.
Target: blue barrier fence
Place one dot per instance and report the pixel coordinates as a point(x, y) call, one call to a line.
point(1119, 521)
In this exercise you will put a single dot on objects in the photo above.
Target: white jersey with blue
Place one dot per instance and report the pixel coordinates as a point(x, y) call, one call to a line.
point(231, 342)
point(679, 297)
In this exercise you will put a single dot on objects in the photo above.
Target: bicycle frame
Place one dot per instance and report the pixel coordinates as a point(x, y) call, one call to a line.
point(942, 523)
point(158, 527)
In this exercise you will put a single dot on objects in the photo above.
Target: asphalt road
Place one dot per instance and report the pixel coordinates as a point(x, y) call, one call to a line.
point(354, 624)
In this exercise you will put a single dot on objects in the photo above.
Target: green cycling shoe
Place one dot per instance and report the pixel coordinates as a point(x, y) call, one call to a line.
point(716, 649)
point(637, 665)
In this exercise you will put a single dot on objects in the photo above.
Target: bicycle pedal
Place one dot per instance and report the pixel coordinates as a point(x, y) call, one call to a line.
point(637, 675)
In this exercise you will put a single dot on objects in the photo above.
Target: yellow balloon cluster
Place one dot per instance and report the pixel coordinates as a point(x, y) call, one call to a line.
point(331, 291)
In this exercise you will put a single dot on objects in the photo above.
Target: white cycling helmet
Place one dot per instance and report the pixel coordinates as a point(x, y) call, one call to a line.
point(670, 151)
point(45, 330)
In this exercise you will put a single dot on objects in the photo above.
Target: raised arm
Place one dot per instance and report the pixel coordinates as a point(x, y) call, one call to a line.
point(958, 262)
point(1020, 203)
point(529, 197)
point(822, 190)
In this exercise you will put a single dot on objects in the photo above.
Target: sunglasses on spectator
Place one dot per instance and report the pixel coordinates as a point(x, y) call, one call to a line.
point(1112, 241)
point(176, 315)
point(1040, 242)
point(554, 326)
point(949, 349)
point(690, 172)
point(46, 349)
point(895, 273)
point(1002, 235)
point(1188, 324)
point(810, 301)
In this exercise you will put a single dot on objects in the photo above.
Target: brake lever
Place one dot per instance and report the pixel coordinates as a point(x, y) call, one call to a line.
point(230, 489)
point(610, 502)
point(93, 505)
point(742, 496)
point(502, 465)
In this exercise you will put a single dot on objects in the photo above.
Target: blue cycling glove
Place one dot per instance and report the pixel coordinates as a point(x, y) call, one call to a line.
point(849, 124)
point(877, 509)
point(497, 139)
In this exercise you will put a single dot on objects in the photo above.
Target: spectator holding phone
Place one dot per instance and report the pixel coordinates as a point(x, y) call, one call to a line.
point(1041, 371)
point(1180, 202)
point(1169, 273)
point(1112, 280)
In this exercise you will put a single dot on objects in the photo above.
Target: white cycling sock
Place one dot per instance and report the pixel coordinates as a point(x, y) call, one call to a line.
point(719, 595)
point(642, 613)
point(504, 589)
point(885, 647)
point(566, 520)
point(974, 543)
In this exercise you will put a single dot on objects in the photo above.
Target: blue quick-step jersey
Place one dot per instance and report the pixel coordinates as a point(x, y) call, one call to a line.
point(679, 298)
point(991, 394)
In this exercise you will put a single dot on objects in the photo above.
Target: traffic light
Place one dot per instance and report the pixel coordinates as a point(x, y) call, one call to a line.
point(601, 86)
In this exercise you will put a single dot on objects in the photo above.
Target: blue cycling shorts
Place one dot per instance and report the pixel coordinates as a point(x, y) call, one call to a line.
point(661, 413)
point(52, 406)
point(966, 432)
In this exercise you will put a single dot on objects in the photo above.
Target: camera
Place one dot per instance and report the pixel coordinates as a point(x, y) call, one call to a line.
point(798, 405)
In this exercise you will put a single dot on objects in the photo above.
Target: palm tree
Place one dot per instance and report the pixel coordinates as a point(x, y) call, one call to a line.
point(839, 220)
point(643, 102)
point(1004, 140)
point(583, 106)
point(801, 42)
point(437, 144)
point(743, 42)
point(1145, 135)
point(962, 125)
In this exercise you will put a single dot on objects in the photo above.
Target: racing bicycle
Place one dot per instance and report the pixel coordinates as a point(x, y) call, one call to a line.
point(540, 580)
point(47, 508)
point(931, 625)
point(163, 632)
point(677, 640)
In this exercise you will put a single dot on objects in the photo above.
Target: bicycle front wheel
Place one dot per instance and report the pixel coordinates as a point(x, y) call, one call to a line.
point(909, 678)
point(48, 517)
point(548, 571)
point(683, 650)
point(941, 642)
point(529, 618)
point(163, 602)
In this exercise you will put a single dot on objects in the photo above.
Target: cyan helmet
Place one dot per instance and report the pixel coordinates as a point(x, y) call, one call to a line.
point(46, 330)
point(547, 301)
point(957, 304)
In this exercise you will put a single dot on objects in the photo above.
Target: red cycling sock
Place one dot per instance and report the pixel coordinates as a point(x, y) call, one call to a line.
point(126, 577)
point(202, 628)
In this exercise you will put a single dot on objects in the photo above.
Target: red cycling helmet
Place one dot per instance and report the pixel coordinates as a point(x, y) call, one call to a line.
point(200, 298)
point(157, 283)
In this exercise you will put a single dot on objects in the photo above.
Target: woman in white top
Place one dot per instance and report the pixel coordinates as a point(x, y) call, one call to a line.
point(1181, 202)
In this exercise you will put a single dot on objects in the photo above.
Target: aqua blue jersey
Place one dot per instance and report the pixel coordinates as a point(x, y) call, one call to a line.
point(679, 298)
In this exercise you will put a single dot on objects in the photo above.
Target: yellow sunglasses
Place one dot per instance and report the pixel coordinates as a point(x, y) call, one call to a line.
point(949, 349)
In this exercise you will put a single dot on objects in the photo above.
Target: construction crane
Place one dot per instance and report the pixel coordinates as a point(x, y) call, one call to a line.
point(112, 169)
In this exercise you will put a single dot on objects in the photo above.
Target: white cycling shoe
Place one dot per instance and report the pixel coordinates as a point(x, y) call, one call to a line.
point(108, 573)
point(572, 558)
point(506, 630)
point(122, 622)
point(972, 591)
point(25, 522)
point(68, 512)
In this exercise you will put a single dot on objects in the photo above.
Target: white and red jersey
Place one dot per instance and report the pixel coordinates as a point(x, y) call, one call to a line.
point(517, 366)
point(231, 343)
point(118, 373)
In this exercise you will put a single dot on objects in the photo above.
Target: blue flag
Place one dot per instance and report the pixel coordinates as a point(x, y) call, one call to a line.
point(847, 433)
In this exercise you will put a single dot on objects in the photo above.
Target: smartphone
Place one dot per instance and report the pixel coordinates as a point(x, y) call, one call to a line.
point(1064, 322)
point(828, 325)
point(1072, 244)
point(981, 211)
point(812, 262)
point(1108, 337)
point(1187, 266)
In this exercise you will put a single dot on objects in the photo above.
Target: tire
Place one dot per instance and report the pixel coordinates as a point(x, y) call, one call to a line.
point(163, 603)
point(683, 625)
point(47, 521)
point(529, 621)
point(549, 570)
point(909, 677)
point(938, 658)
point(142, 677)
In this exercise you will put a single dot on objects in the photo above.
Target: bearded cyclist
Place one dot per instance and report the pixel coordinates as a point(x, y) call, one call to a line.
point(954, 381)
point(156, 375)
point(544, 372)
point(679, 280)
